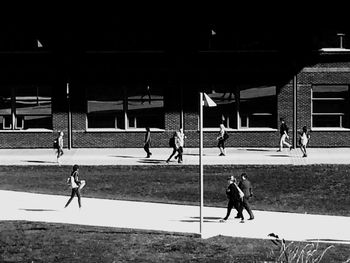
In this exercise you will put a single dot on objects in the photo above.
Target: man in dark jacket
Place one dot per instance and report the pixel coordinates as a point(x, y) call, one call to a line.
point(247, 189)
point(234, 199)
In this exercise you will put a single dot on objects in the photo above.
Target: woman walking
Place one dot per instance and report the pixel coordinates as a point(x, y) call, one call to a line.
point(303, 141)
point(75, 184)
point(221, 140)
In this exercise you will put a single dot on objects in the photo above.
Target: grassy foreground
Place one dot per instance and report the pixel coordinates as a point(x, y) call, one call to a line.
point(319, 189)
point(41, 242)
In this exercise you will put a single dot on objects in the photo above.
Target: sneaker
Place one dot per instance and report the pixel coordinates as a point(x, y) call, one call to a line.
point(237, 217)
point(252, 218)
point(279, 150)
point(242, 221)
point(290, 148)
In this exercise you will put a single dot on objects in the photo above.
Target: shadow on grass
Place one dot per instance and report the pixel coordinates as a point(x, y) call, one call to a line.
point(279, 155)
point(36, 209)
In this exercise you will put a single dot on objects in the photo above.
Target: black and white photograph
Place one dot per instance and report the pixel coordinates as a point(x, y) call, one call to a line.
point(136, 136)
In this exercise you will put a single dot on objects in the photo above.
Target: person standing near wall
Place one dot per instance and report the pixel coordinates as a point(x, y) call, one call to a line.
point(147, 142)
point(284, 135)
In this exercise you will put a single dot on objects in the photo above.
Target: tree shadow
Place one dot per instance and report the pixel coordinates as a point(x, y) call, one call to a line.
point(279, 155)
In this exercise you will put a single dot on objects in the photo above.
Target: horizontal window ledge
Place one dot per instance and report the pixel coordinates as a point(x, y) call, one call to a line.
point(240, 130)
point(28, 131)
point(122, 130)
point(331, 129)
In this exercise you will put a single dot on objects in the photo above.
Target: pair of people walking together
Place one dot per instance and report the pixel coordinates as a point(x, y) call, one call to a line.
point(238, 196)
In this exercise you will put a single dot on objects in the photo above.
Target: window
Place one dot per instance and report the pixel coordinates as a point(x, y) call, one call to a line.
point(225, 111)
point(25, 107)
point(105, 109)
point(330, 106)
point(258, 107)
point(128, 107)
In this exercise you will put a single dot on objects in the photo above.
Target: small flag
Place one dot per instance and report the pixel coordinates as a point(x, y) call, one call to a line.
point(39, 43)
point(208, 101)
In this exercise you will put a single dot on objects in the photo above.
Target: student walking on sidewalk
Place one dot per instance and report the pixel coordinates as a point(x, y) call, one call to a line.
point(221, 139)
point(234, 196)
point(59, 146)
point(284, 135)
point(247, 189)
point(147, 142)
point(304, 140)
point(75, 184)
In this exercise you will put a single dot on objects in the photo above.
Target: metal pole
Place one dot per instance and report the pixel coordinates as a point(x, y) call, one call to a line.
point(69, 119)
point(200, 162)
point(295, 111)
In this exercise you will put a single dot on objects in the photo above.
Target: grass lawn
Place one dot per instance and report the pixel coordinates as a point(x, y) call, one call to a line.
point(319, 189)
point(41, 242)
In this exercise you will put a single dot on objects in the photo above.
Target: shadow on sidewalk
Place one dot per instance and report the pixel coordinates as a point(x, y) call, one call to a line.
point(33, 161)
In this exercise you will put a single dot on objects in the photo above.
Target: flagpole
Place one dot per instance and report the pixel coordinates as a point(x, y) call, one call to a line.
point(200, 162)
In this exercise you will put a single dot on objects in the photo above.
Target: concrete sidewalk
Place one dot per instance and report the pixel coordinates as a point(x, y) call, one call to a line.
point(136, 156)
point(172, 218)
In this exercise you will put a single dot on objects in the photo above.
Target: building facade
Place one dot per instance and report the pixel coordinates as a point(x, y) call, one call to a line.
point(107, 98)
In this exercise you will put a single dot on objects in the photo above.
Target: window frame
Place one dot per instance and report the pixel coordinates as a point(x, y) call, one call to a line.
point(127, 118)
point(340, 114)
point(20, 118)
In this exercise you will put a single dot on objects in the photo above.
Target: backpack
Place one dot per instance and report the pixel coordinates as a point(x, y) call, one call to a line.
point(172, 142)
point(55, 143)
point(226, 136)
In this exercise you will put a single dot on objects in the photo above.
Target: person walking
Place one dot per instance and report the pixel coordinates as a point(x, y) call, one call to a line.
point(180, 145)
point(75, 184)
point(284, 135)
point(304, 140)
point(234, 196)
point(221, 140)
point(247, 189)
point(147, 142)
point(173, 143)
point(59, 146)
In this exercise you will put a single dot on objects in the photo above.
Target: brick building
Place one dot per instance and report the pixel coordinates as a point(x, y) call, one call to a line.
point(104, 92)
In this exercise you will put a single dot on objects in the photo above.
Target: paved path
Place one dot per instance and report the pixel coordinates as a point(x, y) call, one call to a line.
point(136, 156)
point(172, 218)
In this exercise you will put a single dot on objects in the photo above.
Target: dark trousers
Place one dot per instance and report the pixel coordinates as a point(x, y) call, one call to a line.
point(234, 204)
point(75, 191)
point(246, 206)
point(180, 153)
point(172, 154)
point(146, 148)
point(59, 152)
